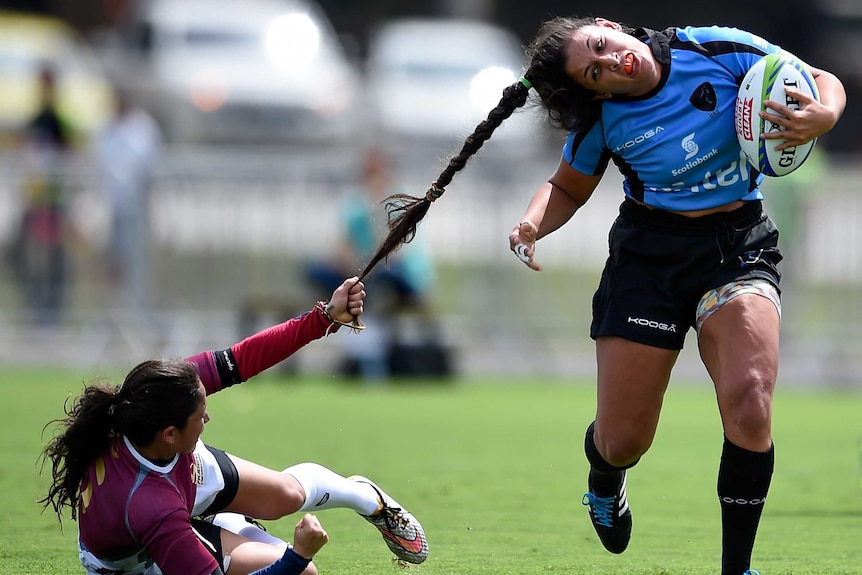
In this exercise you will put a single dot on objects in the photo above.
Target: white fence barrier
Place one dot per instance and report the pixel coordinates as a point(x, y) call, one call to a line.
point(253, 212)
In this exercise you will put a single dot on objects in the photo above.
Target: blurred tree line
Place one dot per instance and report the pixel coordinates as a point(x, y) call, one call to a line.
point(824, 32)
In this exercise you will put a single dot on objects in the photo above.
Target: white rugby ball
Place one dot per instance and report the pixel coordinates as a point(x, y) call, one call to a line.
point(766, 81)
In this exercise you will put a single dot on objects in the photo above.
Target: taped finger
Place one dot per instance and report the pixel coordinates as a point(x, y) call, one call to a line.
point(521, 252)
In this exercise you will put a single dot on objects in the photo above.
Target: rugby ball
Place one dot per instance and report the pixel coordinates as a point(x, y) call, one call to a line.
point(766, 80)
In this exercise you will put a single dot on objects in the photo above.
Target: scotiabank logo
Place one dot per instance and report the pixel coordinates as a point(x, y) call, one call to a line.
point(744, 111)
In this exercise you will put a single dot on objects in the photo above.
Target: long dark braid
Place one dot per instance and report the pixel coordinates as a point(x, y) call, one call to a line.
point(405, 211)
point(567, 103)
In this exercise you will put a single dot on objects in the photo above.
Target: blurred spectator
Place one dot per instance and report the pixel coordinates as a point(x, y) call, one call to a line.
point(127, 148)
point(38, 253)
point(398, 291)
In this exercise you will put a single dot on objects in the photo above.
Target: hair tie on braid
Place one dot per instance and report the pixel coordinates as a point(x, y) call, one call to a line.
point(527, 84)
point(434, 192)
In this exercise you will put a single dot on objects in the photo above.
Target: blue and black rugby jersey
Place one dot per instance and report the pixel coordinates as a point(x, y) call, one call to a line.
point(676, 146)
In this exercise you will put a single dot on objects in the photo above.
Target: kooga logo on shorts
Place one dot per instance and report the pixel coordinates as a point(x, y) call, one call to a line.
point(653, 324)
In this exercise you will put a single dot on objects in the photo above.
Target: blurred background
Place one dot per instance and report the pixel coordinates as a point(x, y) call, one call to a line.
point(177, 174)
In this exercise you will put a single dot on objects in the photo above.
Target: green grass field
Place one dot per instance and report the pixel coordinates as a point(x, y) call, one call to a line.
point(494, 470)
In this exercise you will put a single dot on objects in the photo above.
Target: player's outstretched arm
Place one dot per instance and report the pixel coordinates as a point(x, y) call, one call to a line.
point(222, 368)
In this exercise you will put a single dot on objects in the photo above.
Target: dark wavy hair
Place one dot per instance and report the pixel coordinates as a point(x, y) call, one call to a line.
point(568, 106)
point(155, 394)
point(567, 102)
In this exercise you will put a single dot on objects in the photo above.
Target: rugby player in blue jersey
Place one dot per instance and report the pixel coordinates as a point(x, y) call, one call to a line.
point(691, 246)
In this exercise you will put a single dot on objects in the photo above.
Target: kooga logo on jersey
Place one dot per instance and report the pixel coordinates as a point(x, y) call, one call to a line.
point(642, 138)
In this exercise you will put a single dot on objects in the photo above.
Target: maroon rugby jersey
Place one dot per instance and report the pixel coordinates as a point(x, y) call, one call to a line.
point(129, 504)
point(134, 512)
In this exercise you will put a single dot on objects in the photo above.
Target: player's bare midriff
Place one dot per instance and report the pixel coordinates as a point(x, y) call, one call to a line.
point(700, 213)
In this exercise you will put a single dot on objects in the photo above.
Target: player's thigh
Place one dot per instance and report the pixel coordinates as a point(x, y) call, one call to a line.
point(247, 556)
point(264, 493)
point(739, 344)
point(632, 379)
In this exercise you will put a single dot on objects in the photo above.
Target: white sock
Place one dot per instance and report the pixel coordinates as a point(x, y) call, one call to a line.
point(325, 489)
point(236, 523)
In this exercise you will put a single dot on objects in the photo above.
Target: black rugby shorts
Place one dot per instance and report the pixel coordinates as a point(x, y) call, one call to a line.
point(210, 536)
point(661, 264)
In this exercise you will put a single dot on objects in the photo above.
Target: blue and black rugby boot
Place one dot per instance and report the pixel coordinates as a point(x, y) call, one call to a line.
point(611, 517)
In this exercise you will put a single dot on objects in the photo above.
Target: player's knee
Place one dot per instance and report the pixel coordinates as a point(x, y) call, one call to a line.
point(291, 496)
point(747, 409)
point(615, 449)
point(284, 497)
point(624, 452)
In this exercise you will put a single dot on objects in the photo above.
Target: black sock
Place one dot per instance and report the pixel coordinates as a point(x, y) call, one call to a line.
point(605, 479)
point(743, 481)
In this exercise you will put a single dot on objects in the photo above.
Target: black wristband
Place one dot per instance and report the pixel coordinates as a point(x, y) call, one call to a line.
point(228, 370)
